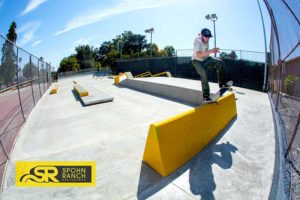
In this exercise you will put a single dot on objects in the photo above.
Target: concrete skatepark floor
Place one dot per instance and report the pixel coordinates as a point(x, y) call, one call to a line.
point(238, 164)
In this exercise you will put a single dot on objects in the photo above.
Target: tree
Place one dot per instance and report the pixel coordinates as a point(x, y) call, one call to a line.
point(170, 51)
point(127, 44)
point(12, 35)
point(112, 57)
point(232, 55)
point(28, 73)
point(104, 49)
point(289, 84)
point(68, 64)
point(162, 53)
point(155, 49)
point(9, 58)
point(86, 56)
point(133, 43)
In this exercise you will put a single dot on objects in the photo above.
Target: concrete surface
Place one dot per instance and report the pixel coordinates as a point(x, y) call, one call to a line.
point(238, 164)
point(174, 88)
point(95, 96)
point(159, 87)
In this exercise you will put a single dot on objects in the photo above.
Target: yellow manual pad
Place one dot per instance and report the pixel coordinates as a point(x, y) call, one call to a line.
point(54, 89)
point(119, 78)
point(174, 141)
point(81, 90)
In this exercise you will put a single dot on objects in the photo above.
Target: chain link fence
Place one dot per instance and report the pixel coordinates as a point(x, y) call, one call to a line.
point(284, 84)
point(237, 54)
point(24, 79)
point(243, 71)
point(103, 71)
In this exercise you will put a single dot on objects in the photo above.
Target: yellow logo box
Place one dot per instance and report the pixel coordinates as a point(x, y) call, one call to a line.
point(57, 174)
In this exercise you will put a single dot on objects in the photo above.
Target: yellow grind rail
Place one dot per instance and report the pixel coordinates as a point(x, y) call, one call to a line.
point(174, 141)
point(145, 74)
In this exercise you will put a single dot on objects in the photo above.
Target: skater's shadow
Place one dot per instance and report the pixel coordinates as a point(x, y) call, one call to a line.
point(201, 178)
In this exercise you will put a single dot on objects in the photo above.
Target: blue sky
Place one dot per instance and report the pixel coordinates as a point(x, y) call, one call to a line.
point(52, 28)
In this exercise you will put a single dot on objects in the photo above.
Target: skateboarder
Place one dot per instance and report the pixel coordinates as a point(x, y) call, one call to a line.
point(202, 61)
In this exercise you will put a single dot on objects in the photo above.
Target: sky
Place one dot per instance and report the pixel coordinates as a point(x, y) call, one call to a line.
point(53, 28)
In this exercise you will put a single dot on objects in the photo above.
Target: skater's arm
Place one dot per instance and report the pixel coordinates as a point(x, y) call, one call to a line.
point(203, 54)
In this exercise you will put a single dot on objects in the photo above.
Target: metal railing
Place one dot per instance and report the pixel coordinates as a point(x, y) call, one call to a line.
point(238, 54)
point(148, 74)
point(24, 78)
point(85, 71)
point(244, 73)
point(284, 84)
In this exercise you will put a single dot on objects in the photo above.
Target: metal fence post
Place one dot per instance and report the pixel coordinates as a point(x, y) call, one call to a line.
point(30, 62)
point(17, 73)
point(43, 74)
point(176, 63)
point(39, 77)
point(49, 75)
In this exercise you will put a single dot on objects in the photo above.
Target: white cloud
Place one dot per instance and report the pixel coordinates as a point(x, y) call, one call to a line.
point(83, 41)
point(27, 32)
point(36, 43)
point(121, 7)
point(33, 4)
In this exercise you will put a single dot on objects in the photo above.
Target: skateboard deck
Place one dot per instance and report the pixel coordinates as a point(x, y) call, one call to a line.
point(220, 93)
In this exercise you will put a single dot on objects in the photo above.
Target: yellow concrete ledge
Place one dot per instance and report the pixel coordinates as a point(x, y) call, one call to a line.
point(81, 91)
point(54, 89)
point(174, 141)
point(120, 77)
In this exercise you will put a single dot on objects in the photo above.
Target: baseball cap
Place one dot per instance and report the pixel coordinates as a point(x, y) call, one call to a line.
point(206, 32)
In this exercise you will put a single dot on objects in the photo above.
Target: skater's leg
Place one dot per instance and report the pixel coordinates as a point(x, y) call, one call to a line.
point(202, 71)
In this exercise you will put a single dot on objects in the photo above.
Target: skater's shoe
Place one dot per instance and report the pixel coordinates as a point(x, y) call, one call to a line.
point(207, 100)
point(227, 85)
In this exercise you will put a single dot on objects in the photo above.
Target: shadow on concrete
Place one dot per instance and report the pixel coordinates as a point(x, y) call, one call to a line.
point(201, 177)
point(77, 98)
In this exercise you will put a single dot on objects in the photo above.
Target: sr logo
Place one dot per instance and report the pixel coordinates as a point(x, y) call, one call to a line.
point(41, 174)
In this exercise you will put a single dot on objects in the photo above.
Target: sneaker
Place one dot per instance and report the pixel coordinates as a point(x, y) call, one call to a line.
point(227, 85)
point(207, 100)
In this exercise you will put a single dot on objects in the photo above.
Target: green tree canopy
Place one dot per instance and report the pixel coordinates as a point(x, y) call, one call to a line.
point(103, 50)
point(133, 43)
point(232, 55)
point(9, 58)
point(12, 35)
point(27, 72)
point(85, 55)
point(127, 44)
point(68, 64)
point(170, 51)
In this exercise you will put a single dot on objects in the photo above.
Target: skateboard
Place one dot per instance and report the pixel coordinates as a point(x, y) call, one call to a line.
point(219, 94)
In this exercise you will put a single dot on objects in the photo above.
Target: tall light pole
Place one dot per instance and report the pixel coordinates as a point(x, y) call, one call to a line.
point(120, 44)
point(150, 30)
point(213, 18)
